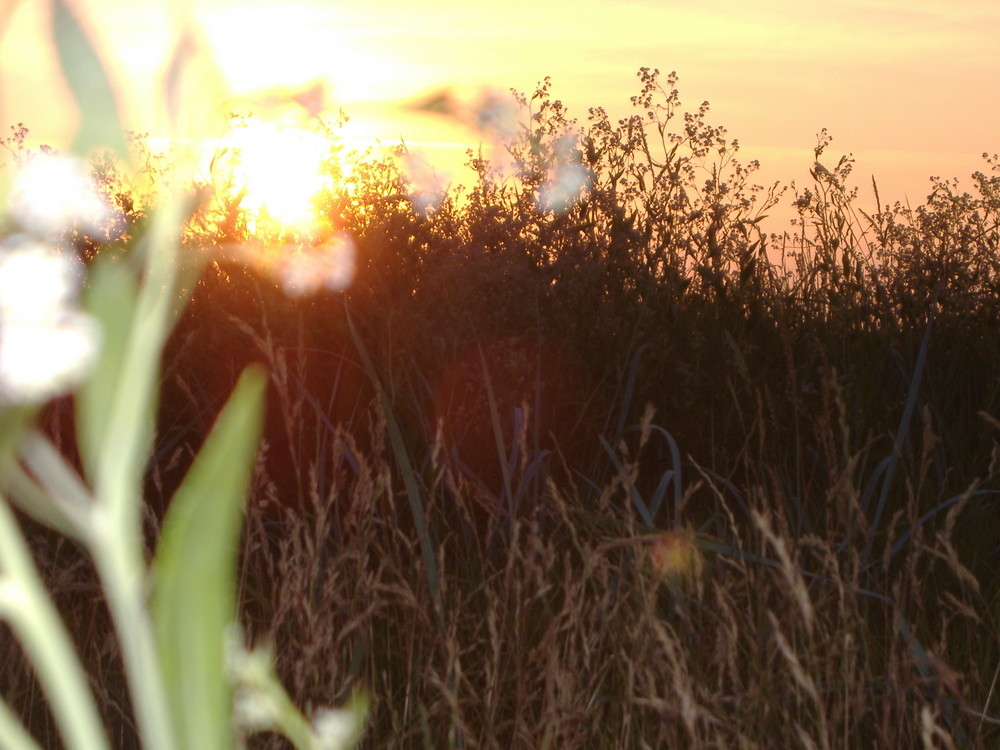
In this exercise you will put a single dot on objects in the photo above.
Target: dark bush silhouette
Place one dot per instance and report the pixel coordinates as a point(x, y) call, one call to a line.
point(556, 358)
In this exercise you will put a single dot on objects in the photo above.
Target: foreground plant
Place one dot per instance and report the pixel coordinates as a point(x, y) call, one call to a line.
point(191, 681)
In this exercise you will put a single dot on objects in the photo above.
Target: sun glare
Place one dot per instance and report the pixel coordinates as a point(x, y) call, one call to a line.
point(280, 168)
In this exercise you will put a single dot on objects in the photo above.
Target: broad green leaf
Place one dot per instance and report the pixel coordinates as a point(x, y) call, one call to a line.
point(110, 297)
point(194, 573)
point(100, 123)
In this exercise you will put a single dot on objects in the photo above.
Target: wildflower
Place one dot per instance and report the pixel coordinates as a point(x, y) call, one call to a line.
point(256, 705)
point(429, 188)
point(261, 704)
point(334, 729)
point(52, 194)
point(47, 345)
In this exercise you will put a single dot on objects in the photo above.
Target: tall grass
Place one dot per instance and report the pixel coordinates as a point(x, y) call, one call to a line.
point(608, 473)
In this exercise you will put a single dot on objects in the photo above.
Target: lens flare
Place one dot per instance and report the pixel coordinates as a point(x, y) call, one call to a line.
point(676, 557)
point(305, 270)
point(281, 169)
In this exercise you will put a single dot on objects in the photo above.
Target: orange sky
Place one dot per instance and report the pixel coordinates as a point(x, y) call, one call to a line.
point(911, 87)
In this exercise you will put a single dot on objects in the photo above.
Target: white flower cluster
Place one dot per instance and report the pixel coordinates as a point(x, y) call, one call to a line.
point(52, 193)
point(261, 704)
point(47, 344)
point(567, 178)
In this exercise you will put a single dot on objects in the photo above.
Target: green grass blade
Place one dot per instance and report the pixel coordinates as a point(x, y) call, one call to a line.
point(656, 499)
point(901, 435)
point(100, 123)
point(627, 396)
point(194, 578)
point(505, 465)
point(675, 457)
point(413, 492)
point(637, 500)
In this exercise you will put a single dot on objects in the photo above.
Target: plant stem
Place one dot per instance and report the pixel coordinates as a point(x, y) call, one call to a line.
point(119, 562)
point(27, 606)
point(13, 735)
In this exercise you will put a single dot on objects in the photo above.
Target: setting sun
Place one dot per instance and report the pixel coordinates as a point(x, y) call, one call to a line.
point(398, 374)
point(280, 168)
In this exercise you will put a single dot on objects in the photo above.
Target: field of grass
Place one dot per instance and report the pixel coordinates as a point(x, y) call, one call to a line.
point(609, 469)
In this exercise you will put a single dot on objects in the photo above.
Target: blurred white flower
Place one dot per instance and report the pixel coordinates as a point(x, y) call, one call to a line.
point(335, 729)
point(305, 270)
point(251, 673)
point(50, 194)
point(47, 345)
point(567, 177)
point(260, 703)
point(496, 114)
point(429, 189)
point(564, 186)
point(254, 709)
point(34, 279)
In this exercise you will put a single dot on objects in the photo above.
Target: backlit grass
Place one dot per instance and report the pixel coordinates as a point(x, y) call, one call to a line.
point(585, 457)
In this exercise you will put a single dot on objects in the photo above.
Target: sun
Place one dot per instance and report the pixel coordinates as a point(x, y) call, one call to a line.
point(274, 171)
point(279, 170)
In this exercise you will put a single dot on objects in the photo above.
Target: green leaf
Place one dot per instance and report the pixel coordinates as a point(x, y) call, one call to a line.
point(88, 81)
point(194, 573)
point(110, 297)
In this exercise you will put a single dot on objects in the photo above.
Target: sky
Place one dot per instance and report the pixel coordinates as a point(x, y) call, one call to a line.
point(910, 87)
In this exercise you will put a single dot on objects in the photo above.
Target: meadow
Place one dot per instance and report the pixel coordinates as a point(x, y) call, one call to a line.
point(583, 456)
